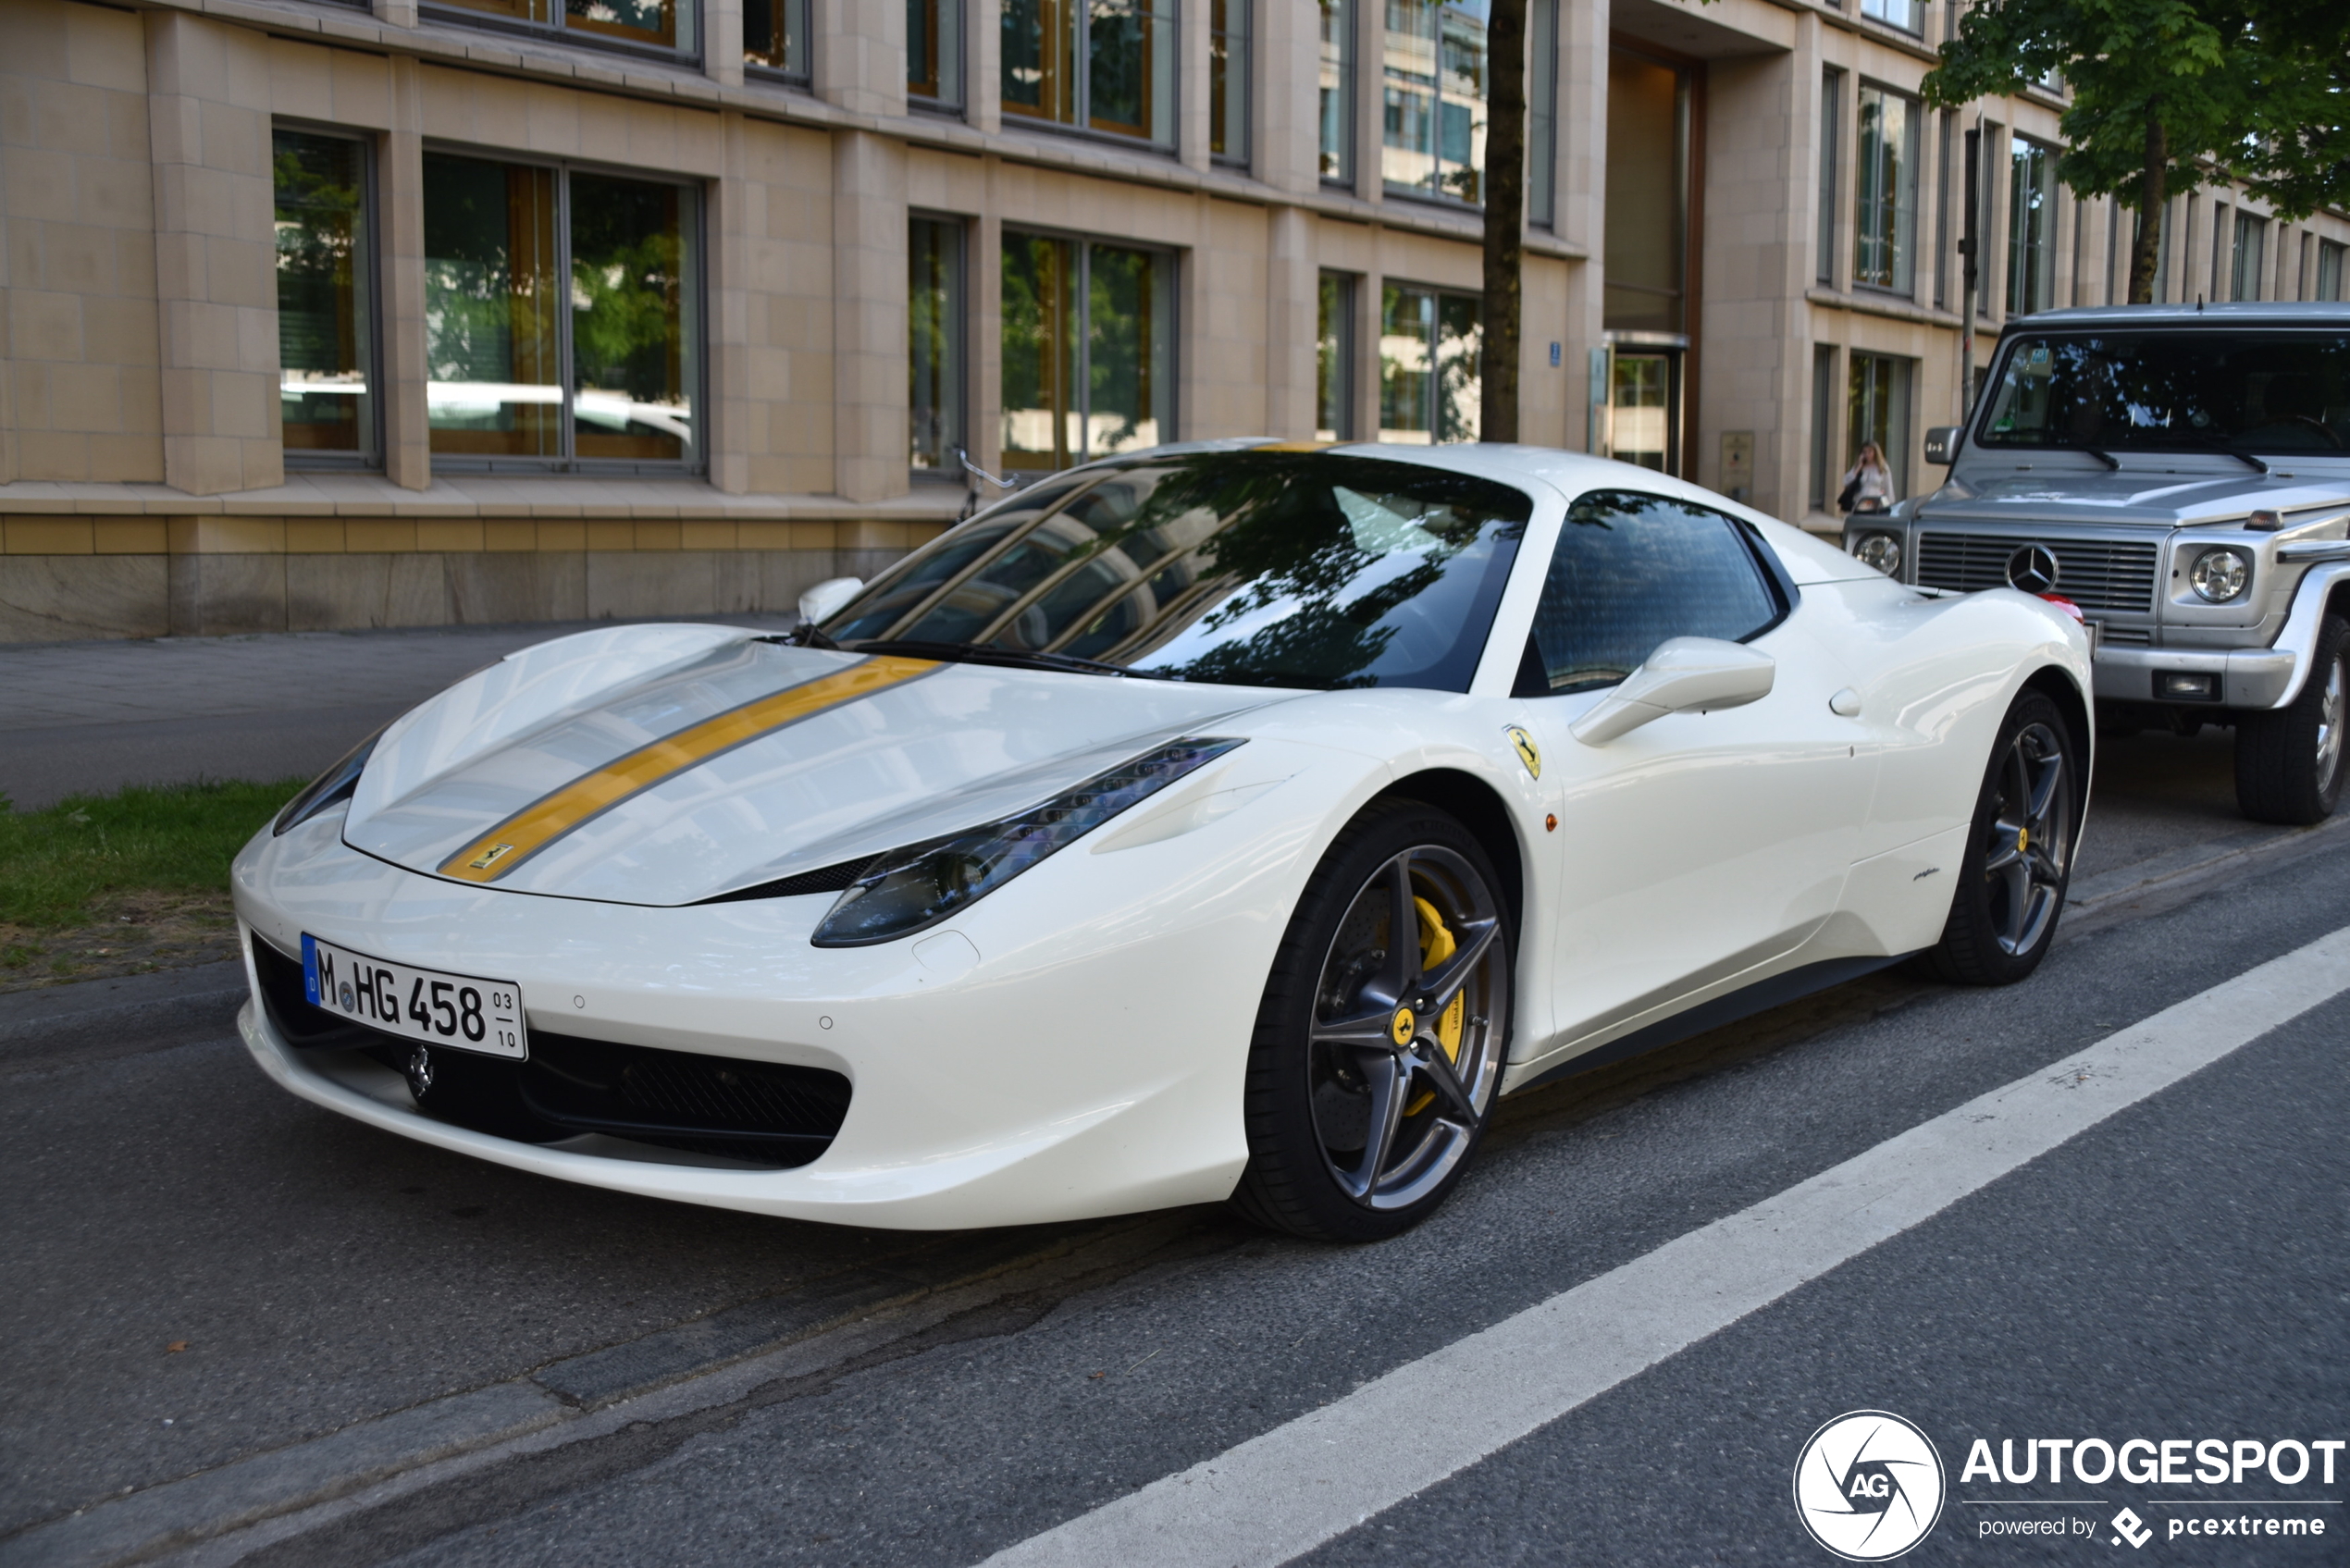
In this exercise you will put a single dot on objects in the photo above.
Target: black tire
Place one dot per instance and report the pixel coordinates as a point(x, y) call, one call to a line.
point(1326, 1073)
point(2019, 853)
point(2288, 760)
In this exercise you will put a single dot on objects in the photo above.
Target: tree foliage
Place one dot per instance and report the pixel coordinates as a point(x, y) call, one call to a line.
point(2170, 94)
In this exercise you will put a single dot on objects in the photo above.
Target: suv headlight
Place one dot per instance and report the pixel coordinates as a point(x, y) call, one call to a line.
point(1880, 550)
point(2220, 575)
point(905, 890)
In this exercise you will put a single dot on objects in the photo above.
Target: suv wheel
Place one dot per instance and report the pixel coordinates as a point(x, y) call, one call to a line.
point(2289, 762)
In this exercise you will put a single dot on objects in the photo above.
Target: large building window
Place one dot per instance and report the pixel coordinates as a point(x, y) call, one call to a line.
point(1430, 354)
point(660, 24)
point(933, 50)
point(1336, 68)
point(934, 322)
point(1907, 15)
point(562, 316)
point(2251, 252)
point(2330, 269)
point(1647, 195)
point(1228, 78)
point(1334, 360)
point(775, 36)
point(1886, 206)
point(326, 298)
point(1878, 409)
point(1543, 113)
point(1432, 106)
point(2032, 223)
point(1088, 350)
point(1100, 65)
point(1824, 468)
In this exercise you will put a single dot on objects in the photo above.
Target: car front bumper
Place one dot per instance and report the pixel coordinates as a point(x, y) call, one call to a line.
point(2247, 677)
point(1086, 1058)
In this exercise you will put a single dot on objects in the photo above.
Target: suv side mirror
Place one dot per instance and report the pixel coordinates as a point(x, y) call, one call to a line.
point(1942, 444)
point(1683, 673)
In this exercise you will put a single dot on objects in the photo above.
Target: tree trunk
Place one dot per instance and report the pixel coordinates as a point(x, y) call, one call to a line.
point(2152, 194)
point(1505, 219)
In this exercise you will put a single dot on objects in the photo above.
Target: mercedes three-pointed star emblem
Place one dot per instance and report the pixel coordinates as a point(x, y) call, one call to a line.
point(2033, 569)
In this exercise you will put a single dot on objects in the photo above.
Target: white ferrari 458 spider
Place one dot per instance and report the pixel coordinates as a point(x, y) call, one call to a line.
point(1225, 821)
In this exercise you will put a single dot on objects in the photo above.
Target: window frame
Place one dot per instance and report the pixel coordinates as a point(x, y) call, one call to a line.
point(1165, 16)
point(1541, 114)
point(1434, 194)
point(952, 67)
point(1877, 11)
point(1869, 196)
point(1346, 37)
point(2333, 258)
point(1081, 407)
point(560, 31)
point(1239, 107)
point(1831, 170)
point(957, 335)
point(1435, 405)
point(794, 14)
point(1778, 586)
point(370, 457)
point(1344, 358)
point(2255, 228)
point(2032, 249)
point(1900, 396)
point(695, 274)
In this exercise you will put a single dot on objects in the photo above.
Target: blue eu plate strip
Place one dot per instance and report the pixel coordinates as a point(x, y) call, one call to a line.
point(310, 969)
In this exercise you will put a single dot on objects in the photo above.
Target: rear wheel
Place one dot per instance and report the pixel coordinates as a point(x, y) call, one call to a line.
point(1380, 1039)
point(2289, 762)
point(2019, 853)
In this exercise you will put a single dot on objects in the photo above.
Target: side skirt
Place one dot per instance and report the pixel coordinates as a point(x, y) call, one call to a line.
point(1763, 996)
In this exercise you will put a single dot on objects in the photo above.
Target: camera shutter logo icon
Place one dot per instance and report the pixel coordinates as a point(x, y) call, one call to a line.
point(1868, 1485)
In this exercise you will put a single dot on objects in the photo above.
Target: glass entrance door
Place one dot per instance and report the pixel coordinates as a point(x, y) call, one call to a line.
point(1645, 404)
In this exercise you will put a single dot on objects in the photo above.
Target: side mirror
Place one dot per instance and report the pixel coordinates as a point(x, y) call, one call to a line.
point(1942, 444)
point(1683, 673)
point(828, 596)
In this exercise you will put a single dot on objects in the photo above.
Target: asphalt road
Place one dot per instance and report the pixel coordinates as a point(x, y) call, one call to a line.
point(2176, 1271)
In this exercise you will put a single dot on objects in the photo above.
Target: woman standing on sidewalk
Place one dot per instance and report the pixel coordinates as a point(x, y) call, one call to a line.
point(1868, 486)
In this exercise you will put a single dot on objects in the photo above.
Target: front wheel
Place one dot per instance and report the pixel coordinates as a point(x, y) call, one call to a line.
point(2289, 759)
point(1380, 1041)
point(2019, 853)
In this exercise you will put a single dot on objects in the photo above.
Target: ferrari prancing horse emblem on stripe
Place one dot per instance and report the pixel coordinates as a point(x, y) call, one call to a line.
point(490, 856)
point(1527, 752)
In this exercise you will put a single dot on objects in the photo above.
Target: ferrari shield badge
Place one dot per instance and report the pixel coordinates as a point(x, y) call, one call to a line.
point(1527, 752)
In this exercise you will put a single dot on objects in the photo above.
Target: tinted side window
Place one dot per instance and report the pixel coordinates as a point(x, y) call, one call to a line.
point(1631, 570)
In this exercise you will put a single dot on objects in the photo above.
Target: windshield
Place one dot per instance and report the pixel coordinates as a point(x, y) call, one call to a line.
point(1281, 569)
point(2284, 392)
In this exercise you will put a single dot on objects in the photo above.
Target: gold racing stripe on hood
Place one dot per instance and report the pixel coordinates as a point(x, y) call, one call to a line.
point(520, 837)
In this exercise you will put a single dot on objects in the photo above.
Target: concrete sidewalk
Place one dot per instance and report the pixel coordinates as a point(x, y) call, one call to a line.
point(95, 716)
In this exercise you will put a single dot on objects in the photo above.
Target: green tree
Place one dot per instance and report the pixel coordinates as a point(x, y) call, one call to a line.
point(2170, 94)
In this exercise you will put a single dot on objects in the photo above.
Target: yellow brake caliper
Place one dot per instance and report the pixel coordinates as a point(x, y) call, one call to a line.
point(1436, 945)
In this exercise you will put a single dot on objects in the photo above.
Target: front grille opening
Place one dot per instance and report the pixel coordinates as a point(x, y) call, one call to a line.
point(2107, 575)
point(766, 1114)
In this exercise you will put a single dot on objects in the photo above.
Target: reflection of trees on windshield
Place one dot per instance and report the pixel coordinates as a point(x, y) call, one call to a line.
point(2276, 391)
point(1254, 568)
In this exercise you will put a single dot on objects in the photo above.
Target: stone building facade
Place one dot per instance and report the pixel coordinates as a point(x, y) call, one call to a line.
point(328, 314)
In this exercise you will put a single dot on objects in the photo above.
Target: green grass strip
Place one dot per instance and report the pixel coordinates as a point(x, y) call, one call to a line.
point(55, 862)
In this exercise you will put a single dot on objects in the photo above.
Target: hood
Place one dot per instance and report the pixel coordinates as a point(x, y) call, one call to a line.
point(671, 764)
point(2134, 495)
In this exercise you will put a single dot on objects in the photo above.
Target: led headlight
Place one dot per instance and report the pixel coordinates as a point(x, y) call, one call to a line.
point(2218, 575)
point(335, 785)
point(1880, 550)
point(908, 889)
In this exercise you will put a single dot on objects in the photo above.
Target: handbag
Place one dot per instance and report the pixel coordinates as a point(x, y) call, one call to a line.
point(1850, 492)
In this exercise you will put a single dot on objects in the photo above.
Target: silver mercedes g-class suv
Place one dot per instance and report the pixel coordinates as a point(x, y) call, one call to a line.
point(2181, 476)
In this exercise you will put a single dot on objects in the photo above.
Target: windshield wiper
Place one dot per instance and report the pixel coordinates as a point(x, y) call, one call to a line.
point(987, 653)
point(2104, 457)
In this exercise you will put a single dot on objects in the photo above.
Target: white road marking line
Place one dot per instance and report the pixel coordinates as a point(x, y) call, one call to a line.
point(1281, 1494)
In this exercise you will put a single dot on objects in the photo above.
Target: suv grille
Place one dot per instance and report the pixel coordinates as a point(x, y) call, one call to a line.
point(2093, 573)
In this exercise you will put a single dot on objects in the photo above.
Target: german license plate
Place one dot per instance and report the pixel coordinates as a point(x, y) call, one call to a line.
point(462, 1012)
